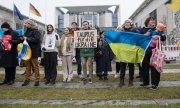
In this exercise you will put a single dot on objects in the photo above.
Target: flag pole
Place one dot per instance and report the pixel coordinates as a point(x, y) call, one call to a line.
point(13, 17)
point(29, 11)
point(45, 14)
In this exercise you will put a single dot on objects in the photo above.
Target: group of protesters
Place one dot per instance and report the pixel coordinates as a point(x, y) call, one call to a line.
point(64, 48)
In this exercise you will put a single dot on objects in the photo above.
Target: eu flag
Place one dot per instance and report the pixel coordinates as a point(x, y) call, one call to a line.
point(18, 13)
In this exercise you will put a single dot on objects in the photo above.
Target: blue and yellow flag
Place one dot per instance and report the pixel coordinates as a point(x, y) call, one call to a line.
point(174, 5)
point(25, 53)
point(128, 47)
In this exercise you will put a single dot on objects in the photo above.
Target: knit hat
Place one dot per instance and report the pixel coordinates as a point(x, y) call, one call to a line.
point(5, 25)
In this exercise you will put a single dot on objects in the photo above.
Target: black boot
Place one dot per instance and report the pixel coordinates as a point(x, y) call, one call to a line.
point(4, 82)
point(47, 82)
point(10, 82)
point(53, 82)
point(105, 77)
point(25, 83)
point(130, 83)
point(100, 77)
point(121, 83)
point(36, 83)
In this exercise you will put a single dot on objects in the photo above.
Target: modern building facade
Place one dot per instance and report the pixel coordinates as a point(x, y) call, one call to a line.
point(101, 14)
point(158, 10)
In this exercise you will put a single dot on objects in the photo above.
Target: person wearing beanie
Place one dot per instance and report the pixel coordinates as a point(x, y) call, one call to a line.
point(5, 25)
point(32, 36)
point(9, 57)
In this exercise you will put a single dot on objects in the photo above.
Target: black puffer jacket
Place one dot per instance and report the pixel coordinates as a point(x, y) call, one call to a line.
point(9, 58)
point(33, 38)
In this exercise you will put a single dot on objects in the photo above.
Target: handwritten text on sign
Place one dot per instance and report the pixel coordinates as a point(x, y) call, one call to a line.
point(85, 39)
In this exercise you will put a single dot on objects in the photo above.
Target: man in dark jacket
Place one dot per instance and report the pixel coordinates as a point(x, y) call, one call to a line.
point(32, 36)
point(9, 57)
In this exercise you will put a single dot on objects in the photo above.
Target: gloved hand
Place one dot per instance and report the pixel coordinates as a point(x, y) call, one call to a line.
point(10, 41)
point(44, 49)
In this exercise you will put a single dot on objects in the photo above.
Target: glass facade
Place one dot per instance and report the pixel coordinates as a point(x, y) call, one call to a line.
point(114, 20)
point(61, 21)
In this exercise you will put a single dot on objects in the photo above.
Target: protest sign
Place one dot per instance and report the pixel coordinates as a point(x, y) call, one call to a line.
point(85, 39)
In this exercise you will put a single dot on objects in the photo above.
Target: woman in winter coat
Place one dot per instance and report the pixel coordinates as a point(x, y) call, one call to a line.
point(9, 57)
point(66, 52)
point(50, 45)
point(155, 75)
point(103, 58)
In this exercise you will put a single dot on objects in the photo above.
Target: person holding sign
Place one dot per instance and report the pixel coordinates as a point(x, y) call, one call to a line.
point(32, 36)
point(66, 52)
point(87, 51)
point(8, 60)
point(50, 46)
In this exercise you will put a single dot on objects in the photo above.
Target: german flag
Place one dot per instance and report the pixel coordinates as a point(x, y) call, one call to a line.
point(33, 10)
point(174, 5)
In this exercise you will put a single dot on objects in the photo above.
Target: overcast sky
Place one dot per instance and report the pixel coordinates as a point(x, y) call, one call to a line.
point(127, 7)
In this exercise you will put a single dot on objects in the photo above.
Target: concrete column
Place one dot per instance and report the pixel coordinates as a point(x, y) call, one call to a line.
point(79, 16)
point(98, 19)
point(119, 15)
point(108, 19)
point(66, 20)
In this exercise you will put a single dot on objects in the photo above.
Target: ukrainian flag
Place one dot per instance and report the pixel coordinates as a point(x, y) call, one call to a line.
point(128, 47)
point(174, 5)
point(25, 53)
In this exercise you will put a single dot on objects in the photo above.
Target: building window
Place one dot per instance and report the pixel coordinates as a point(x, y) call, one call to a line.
point(61, 21)
point(154, 15)
point(114, 20)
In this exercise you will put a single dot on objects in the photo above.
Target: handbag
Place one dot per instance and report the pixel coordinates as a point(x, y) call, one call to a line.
point(157, 57)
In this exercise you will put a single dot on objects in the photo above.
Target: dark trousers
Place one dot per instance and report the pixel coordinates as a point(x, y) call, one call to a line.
point(118, 67)
point(155, 75)
point(10, 73)
point(140, 70)
point(50, 63)
point(79, 67)
point(123, 70)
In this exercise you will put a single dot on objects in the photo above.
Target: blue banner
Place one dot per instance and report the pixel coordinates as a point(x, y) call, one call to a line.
point(20, 31)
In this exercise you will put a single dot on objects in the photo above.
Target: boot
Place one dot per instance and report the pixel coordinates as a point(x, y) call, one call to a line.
point(105, 77)
point(121, 82)
point(47, 82)
point(4, 82)
point(10, 82)
point(25, 83)
point(130, 83)
point(36, 83)
point(53, 82)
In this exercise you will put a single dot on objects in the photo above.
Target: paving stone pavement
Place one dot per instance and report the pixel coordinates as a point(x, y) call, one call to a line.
point(95, 85)
point(91, 102)
point(113, 72)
